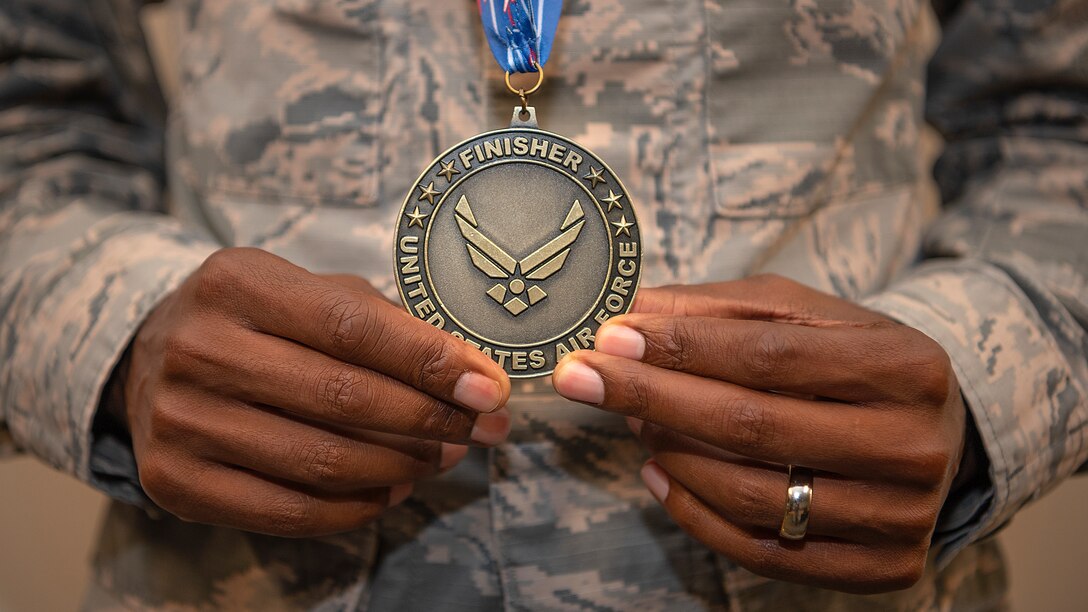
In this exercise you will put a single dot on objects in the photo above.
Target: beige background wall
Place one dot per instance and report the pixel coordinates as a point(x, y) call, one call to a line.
point(48, 524)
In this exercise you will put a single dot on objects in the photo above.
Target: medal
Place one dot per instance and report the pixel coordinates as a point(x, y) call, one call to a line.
point(519, 241)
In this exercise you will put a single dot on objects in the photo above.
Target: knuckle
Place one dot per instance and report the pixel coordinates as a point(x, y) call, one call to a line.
point(660, 439)
point(439, 364)
point(161, 423)
point(764, 558)
point(937, 384)
point(326, 462)
point(927, 461)
point(749, 503)
point(912, 521)
point(339, 391)
point(670, 345)
point(443, 422)
point(184, 350)
point(424, 453)
point(346, 321)
point(745, 424)
point(153, 477)
point(640, 399)
point(687, 513)
point(222, 270)
point(931, 369)
point(903, 572)
point(917, 523)
point(218, 262)
point(167, 422)
point(289, 515)
point(771, 352)
point(160, 480)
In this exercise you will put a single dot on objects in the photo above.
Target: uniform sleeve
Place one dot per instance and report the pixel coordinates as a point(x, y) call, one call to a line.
point(85, 247)
point(1004, 288)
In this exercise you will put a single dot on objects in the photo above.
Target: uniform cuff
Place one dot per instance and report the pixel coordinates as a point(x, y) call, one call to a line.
point(76, 313)
point(1008, 366)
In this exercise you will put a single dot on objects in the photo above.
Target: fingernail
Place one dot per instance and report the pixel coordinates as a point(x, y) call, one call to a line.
point(452, 454)
point(477, 392)
point(492, 428)
point(399, 493)
point(579, 382)
point(656, 480)
point(635, 425)
point(621, 341)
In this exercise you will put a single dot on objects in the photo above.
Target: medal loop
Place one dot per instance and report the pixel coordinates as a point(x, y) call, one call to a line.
point(525, 93)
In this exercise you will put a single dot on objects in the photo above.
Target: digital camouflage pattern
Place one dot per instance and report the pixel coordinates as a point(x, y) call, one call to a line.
point(754, 135)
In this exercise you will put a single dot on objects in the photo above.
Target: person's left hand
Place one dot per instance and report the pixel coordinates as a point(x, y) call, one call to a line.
point(727, 384)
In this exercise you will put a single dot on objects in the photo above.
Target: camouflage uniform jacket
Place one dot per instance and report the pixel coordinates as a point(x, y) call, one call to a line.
point(755, 136)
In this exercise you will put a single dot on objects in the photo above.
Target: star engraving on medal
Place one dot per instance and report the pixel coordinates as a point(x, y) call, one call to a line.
point(448, 170)
point(415, 217)
point(623, 226)
point(429, 192)
point(538, 266)
point(596, 175)
point(613, 200)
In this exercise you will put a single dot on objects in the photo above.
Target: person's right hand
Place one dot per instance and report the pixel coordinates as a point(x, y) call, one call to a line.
point(266, 398)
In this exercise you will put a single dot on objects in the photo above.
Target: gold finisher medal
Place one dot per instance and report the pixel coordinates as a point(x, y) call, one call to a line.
point(521, 243)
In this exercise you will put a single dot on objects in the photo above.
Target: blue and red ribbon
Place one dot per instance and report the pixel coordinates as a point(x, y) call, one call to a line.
point(520, 32)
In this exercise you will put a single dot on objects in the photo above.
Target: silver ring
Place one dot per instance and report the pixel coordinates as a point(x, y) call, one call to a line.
point(798, 503)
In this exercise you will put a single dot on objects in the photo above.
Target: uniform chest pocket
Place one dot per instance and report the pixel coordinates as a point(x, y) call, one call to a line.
point(282, 100)
point(800, 96)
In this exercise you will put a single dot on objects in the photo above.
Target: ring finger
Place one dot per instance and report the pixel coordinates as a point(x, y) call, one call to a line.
point(817, 560)
point(753, 495)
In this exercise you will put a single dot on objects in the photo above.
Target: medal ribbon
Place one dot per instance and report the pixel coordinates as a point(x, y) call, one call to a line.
point(520, 32)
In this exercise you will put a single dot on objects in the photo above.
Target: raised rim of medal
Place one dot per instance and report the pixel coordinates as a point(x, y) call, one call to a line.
point(440, 161)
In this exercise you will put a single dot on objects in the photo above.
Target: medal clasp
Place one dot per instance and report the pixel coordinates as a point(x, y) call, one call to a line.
point(525, 93)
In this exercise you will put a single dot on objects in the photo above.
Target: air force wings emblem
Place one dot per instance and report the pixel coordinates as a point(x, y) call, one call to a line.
point(538, 266)
point(520, 243)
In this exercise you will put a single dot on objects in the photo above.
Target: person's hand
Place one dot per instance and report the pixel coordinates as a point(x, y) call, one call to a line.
point(269, 399)
point(727, 384)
